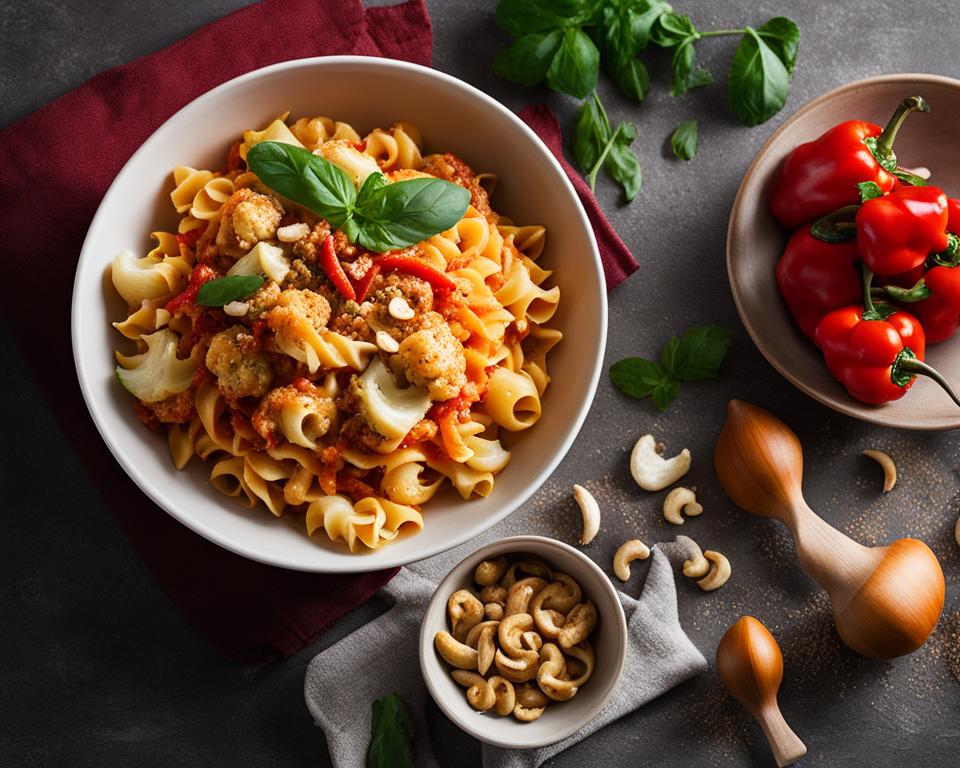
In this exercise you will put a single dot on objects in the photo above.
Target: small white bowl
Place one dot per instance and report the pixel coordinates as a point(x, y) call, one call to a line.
point(561, 719)
point(367, 92)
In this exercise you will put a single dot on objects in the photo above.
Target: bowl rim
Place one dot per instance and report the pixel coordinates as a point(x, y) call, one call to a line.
point(846, 404)
point(506, 546)
point(155, 491)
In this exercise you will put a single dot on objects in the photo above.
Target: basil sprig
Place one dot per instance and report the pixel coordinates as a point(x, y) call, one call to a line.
point(596, 144)
point(381, 217)
point(216, 293)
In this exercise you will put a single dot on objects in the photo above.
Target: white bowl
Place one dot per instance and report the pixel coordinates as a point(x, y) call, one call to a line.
point(367, 92)
point(560, 719)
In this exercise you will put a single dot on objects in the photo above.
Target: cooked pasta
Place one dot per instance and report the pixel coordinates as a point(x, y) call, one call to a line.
point(343, 385)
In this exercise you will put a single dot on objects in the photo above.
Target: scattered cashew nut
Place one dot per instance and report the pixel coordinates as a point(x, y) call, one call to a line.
point(719, 572)
point(651, 471)
point(889, 468)
point(630, 550)
point(590, 511)
point(696, 566)
point(680, 499)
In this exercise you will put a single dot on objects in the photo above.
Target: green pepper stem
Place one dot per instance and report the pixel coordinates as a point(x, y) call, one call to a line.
point(836, 227)
point(866, 278)
point(917, 292)
point(884, 150)
point(912, 365)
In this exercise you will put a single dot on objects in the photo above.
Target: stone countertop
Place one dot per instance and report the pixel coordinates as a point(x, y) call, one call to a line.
point(99, 668)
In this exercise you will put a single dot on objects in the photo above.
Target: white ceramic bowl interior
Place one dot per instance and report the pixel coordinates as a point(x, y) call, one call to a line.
point(560, 719)
point(366, 92)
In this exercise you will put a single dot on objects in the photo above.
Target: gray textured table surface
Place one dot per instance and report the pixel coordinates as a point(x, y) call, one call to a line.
point(99, 668)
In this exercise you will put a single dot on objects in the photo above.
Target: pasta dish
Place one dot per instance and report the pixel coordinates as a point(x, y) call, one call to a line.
point(339, 326)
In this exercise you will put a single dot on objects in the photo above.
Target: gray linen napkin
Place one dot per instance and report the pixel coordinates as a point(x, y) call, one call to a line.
point(383, 657)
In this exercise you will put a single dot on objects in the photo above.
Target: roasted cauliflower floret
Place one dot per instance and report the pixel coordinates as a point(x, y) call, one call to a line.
point(242, 370)
point(245, 219)
point(449, 167)
point(301, 414)
point(432, 358)
point(262, 301)
point(295, 307)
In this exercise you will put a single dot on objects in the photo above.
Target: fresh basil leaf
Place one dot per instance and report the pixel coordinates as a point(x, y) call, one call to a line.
point(622, 164)
point(392, 734)
point(869, 190)
point(783, 37)
point(591, 132)
point(643, 15)
point(636, 377)
point(624, 31)
point(406, 212)
point(700, 352)
point(665, 393)
point(528, 59)
point(216, 293)
point(671, 29)
point(758, 84)
point(575, 66)
point(301, 176)
point(523, 17)
point(632, 77)
point(685, 74)
point(684, 140)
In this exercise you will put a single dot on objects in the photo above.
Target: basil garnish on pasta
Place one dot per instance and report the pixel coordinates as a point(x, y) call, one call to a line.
point(216, 293)
point(381, 217)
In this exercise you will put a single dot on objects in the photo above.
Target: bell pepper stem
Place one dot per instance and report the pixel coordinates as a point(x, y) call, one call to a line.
point(884, 146)
point(913, 365)
point(836, 227)
point(917, 292)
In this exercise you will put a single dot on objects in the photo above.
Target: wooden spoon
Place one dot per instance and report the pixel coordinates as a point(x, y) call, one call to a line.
point(886, 600)
point(750, 665)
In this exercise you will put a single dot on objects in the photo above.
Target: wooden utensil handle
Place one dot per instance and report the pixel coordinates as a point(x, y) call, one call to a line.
point(786, 745)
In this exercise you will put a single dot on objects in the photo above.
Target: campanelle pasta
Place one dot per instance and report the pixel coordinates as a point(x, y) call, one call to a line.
point(336, 388)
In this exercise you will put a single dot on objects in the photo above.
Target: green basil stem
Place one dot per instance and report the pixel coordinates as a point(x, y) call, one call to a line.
point(913, 365)
point(884, 147)
point(722, 32)
point(592, 176)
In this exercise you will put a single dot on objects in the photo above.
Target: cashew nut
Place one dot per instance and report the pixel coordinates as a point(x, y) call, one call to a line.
point(583, 652)
point(493, 611)
point(651, 471)
point(551, 604)
point(579, 623)
point(480, 693)
point(531, 641)
point(454, 652)
point(494, 593)
point(889, 468)
point(505, 695)
point(553, 667)
point(719, 572)
point(696, 565)
point(490, 571)
point(532, 566)
point(510, 634)
point(590, 511)
point(485, 650)
point(518, 598)
point(630, 550)
point(465, 612)
point(527, 714)
point(529, 695)
point(516, 670)
point(680, 499)
point(473, 636)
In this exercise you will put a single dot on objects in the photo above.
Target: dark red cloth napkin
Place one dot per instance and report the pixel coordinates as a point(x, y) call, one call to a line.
point(55, 166)
point(618, 262)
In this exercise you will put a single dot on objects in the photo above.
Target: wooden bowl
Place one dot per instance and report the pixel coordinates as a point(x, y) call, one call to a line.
point(755, 241)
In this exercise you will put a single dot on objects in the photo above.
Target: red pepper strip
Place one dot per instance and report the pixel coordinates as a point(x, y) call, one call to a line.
point(362, 286)
point(331, 266)
point(816, 277)
point(898, 231)
point(439, 281)
point(822, 175)
point(201, 274)
point(190, 237)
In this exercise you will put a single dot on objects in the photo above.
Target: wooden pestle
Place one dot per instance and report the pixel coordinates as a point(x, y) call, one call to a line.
point(886, 600)
point(750, 665)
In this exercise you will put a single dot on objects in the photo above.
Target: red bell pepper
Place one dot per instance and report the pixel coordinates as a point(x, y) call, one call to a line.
point(439, 281)
point(822, 175)
point(362, 286)
point(331, 266)
point(201, 274)
point(897, 232)
point(937, 301)
point(874, 351)
point(816, 277)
